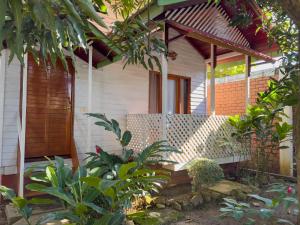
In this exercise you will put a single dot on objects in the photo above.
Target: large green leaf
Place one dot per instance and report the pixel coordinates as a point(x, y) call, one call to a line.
point(91, 181)
point(54, 191)
point(50, 217)
point(3, 8)
point(126, 138)
point(88, 8)
point(51, 174)
point(124, 169)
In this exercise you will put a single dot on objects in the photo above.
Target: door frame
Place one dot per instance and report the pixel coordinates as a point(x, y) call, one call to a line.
point(73, 151)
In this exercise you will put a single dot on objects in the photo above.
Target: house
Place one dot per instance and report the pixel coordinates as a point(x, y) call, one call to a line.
point(42, 108)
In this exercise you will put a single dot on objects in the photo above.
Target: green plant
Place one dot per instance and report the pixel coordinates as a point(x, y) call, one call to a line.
point(261, 130)
point(109, 163)
point(79, 192)
point(47, 28)
point(23, 205)
point(100, 191)
point(248, 214)
point(204, 172)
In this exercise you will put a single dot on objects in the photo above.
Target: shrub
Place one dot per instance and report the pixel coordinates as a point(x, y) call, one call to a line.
point(205, 172)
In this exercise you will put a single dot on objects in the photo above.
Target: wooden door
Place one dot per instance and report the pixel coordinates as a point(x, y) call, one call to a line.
point(49, 122)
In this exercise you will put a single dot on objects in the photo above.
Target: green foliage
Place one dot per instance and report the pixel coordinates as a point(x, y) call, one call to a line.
point(261, 130)
point(248, 214)
point(152, 154)
point(46, 28)
point(80, 191)
point(205, 172)
point(21, 204)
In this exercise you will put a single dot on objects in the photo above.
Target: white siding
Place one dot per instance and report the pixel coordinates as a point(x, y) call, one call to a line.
point(10, 113)
point(191, 64)
point(116, 92)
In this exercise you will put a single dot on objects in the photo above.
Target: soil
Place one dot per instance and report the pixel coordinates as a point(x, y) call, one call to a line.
point(207, 216)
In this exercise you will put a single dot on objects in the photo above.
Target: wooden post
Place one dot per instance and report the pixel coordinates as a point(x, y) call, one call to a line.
point(2, 89)
point(213, 65)
point(90, 96)
point(23, 127)
point(286, 155)
point(164, 90)
point(247, 80)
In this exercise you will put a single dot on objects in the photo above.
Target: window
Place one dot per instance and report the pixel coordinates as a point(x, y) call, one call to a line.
point(178, 99)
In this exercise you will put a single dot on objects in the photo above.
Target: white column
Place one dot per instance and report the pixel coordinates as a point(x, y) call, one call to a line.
point(286, 155)
point(2, 93)
point(23, 126)
point(164, 90)
point(247, 80)
point(90, 96)
point(213, 64)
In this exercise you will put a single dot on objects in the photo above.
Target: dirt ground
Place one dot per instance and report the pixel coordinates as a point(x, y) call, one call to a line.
point(207, 216)
point(210, 215)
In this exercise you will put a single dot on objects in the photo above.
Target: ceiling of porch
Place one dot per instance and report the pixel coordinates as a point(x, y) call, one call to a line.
point(202, 23)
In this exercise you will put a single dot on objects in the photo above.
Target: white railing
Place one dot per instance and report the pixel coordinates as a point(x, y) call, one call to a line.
point(194, 135)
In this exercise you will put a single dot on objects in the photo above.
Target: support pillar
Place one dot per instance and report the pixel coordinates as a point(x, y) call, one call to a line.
point(2, 93)
point(90, 96)
point(23, 127)
point(164, 90)
point(213, 65)
point(247, 81)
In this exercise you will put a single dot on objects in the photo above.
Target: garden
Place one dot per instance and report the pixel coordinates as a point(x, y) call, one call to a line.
point(134, 187)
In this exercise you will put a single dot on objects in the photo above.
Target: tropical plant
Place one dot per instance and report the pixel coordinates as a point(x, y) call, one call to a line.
point(261, 130)
point(238, 143)
point(100, 191)
point(80, 191)
point(22, 205)
point(109, 163)
point(204, 172)
point(249, 214)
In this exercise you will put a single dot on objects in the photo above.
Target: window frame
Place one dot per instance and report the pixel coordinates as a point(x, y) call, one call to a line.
point(178, 79)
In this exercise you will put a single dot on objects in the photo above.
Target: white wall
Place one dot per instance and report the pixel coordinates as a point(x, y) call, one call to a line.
point(116, 92)
point(11, 92)
point(191, 64)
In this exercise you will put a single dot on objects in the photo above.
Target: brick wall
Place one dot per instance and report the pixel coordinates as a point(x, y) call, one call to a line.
point(231, 96)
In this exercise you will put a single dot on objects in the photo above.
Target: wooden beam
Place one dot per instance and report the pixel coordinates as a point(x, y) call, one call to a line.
point(212, 39)
point(175, 38)
point(107, 61)
point(213, 65)
point(195, 47)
